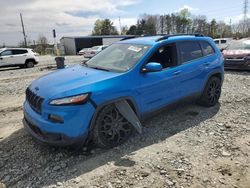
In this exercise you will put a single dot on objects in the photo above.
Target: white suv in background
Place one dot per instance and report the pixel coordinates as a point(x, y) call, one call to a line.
point(22, 57)
point(222, 43)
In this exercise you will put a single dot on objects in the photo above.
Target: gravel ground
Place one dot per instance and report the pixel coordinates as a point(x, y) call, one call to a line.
point(188, 146)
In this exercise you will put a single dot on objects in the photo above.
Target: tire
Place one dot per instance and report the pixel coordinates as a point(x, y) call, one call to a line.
point(111, 128)
point(29, 64)
point(211, 93)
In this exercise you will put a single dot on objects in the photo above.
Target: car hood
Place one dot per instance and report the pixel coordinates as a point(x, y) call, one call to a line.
point(235, 53)
point(70, 81)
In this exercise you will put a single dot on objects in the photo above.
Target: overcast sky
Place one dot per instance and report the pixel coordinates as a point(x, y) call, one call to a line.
point(77, 17)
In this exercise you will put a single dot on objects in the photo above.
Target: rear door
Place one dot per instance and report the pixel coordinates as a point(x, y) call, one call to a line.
point(6, 58)
point(19, 56)
point(191, 67)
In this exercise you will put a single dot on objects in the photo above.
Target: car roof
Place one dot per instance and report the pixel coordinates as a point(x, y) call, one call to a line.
point(17, 48)
point(153, 40)
point(223, 39)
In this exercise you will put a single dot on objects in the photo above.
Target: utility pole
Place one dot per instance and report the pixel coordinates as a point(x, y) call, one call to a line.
point(245, 11)
point(162, 23)
point(230, 25)
point(120, 25)
point(34, 43)
point(24, 35)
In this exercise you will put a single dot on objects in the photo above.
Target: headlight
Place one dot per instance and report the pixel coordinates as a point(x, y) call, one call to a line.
point(73, 100)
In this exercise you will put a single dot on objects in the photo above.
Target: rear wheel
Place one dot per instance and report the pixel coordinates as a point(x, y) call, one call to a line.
point(29, 64)
point(111, 128)
point(211, 93)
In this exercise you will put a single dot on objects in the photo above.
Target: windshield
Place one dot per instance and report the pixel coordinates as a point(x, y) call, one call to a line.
point(239, 45)
point(118, 57)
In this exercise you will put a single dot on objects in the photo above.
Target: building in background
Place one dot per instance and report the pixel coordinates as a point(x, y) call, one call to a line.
point(72, 45)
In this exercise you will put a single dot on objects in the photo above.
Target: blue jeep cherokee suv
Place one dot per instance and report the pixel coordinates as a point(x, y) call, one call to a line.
point(105, 98)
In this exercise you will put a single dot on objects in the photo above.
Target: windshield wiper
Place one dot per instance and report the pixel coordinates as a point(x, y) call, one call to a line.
point(85, 64)
point(99, 68)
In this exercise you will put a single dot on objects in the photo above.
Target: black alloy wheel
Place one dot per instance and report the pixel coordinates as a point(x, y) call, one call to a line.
point(111, 128)
point(211, 93)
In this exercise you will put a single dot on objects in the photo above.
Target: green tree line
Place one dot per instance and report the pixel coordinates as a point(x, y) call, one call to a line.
point(174, 23)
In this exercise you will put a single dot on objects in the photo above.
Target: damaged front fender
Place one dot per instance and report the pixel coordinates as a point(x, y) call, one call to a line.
point(128, 113)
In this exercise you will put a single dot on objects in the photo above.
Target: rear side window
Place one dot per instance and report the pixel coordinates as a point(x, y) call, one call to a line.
point(207, 48)
point(189, 50)
point(223, 41)
point(17, 52)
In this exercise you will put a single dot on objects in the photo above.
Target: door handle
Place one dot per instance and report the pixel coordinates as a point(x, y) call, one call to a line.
point(177, 72)
point(11, 56)
point(1, 58)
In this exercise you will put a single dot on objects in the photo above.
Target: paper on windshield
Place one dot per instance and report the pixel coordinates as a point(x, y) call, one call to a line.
point(134, 48)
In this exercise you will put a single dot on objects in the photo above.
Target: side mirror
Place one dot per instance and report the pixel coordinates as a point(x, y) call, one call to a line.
point(152, 67)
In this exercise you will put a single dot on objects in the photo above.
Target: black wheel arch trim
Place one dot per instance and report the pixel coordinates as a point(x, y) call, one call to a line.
point(214, 73)
point(30, 59)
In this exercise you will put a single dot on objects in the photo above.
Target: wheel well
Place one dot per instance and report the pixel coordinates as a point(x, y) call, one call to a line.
point(27, 60)
point(218, 75)
point(101, 107)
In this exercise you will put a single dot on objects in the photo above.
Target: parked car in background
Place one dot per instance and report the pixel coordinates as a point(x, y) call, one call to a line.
point(222, 43)
point(82, 51)
point(105, 98)
point(22, 57)
point(91, 52)
point(237, 54)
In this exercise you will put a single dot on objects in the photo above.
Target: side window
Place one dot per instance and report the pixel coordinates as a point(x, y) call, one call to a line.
point(223, 41)
point(216, 41)
point(6, 53)
point(18, 52)
point(165, 55)
point(189, 50)
point(207, 48)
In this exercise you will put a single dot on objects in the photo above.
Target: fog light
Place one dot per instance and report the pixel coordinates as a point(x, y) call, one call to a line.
point(55, 118)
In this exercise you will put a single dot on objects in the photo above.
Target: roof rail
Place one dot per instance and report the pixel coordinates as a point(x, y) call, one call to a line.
point(175, 35)
point(127, 38)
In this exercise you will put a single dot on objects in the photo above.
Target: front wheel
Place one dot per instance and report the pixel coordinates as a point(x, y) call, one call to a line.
point(29, 64)
point(111, 128)
point(211, 93)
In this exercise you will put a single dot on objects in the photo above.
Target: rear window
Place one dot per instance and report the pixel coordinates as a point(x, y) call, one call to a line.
point(189, 50)
point(17, 52)
point(207, 48)
point(239, 45)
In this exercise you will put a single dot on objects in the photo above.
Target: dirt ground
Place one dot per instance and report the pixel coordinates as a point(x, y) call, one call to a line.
point(188, 146)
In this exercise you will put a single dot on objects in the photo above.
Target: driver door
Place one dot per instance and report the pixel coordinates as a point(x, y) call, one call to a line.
point(6, 58)
point(157, 89)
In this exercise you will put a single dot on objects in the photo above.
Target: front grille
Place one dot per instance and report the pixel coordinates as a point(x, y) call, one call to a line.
point(34, 100)
point(241, 58)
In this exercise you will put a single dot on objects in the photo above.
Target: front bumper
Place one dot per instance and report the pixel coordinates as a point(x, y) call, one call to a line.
point(237, 64)
point(73, 130)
